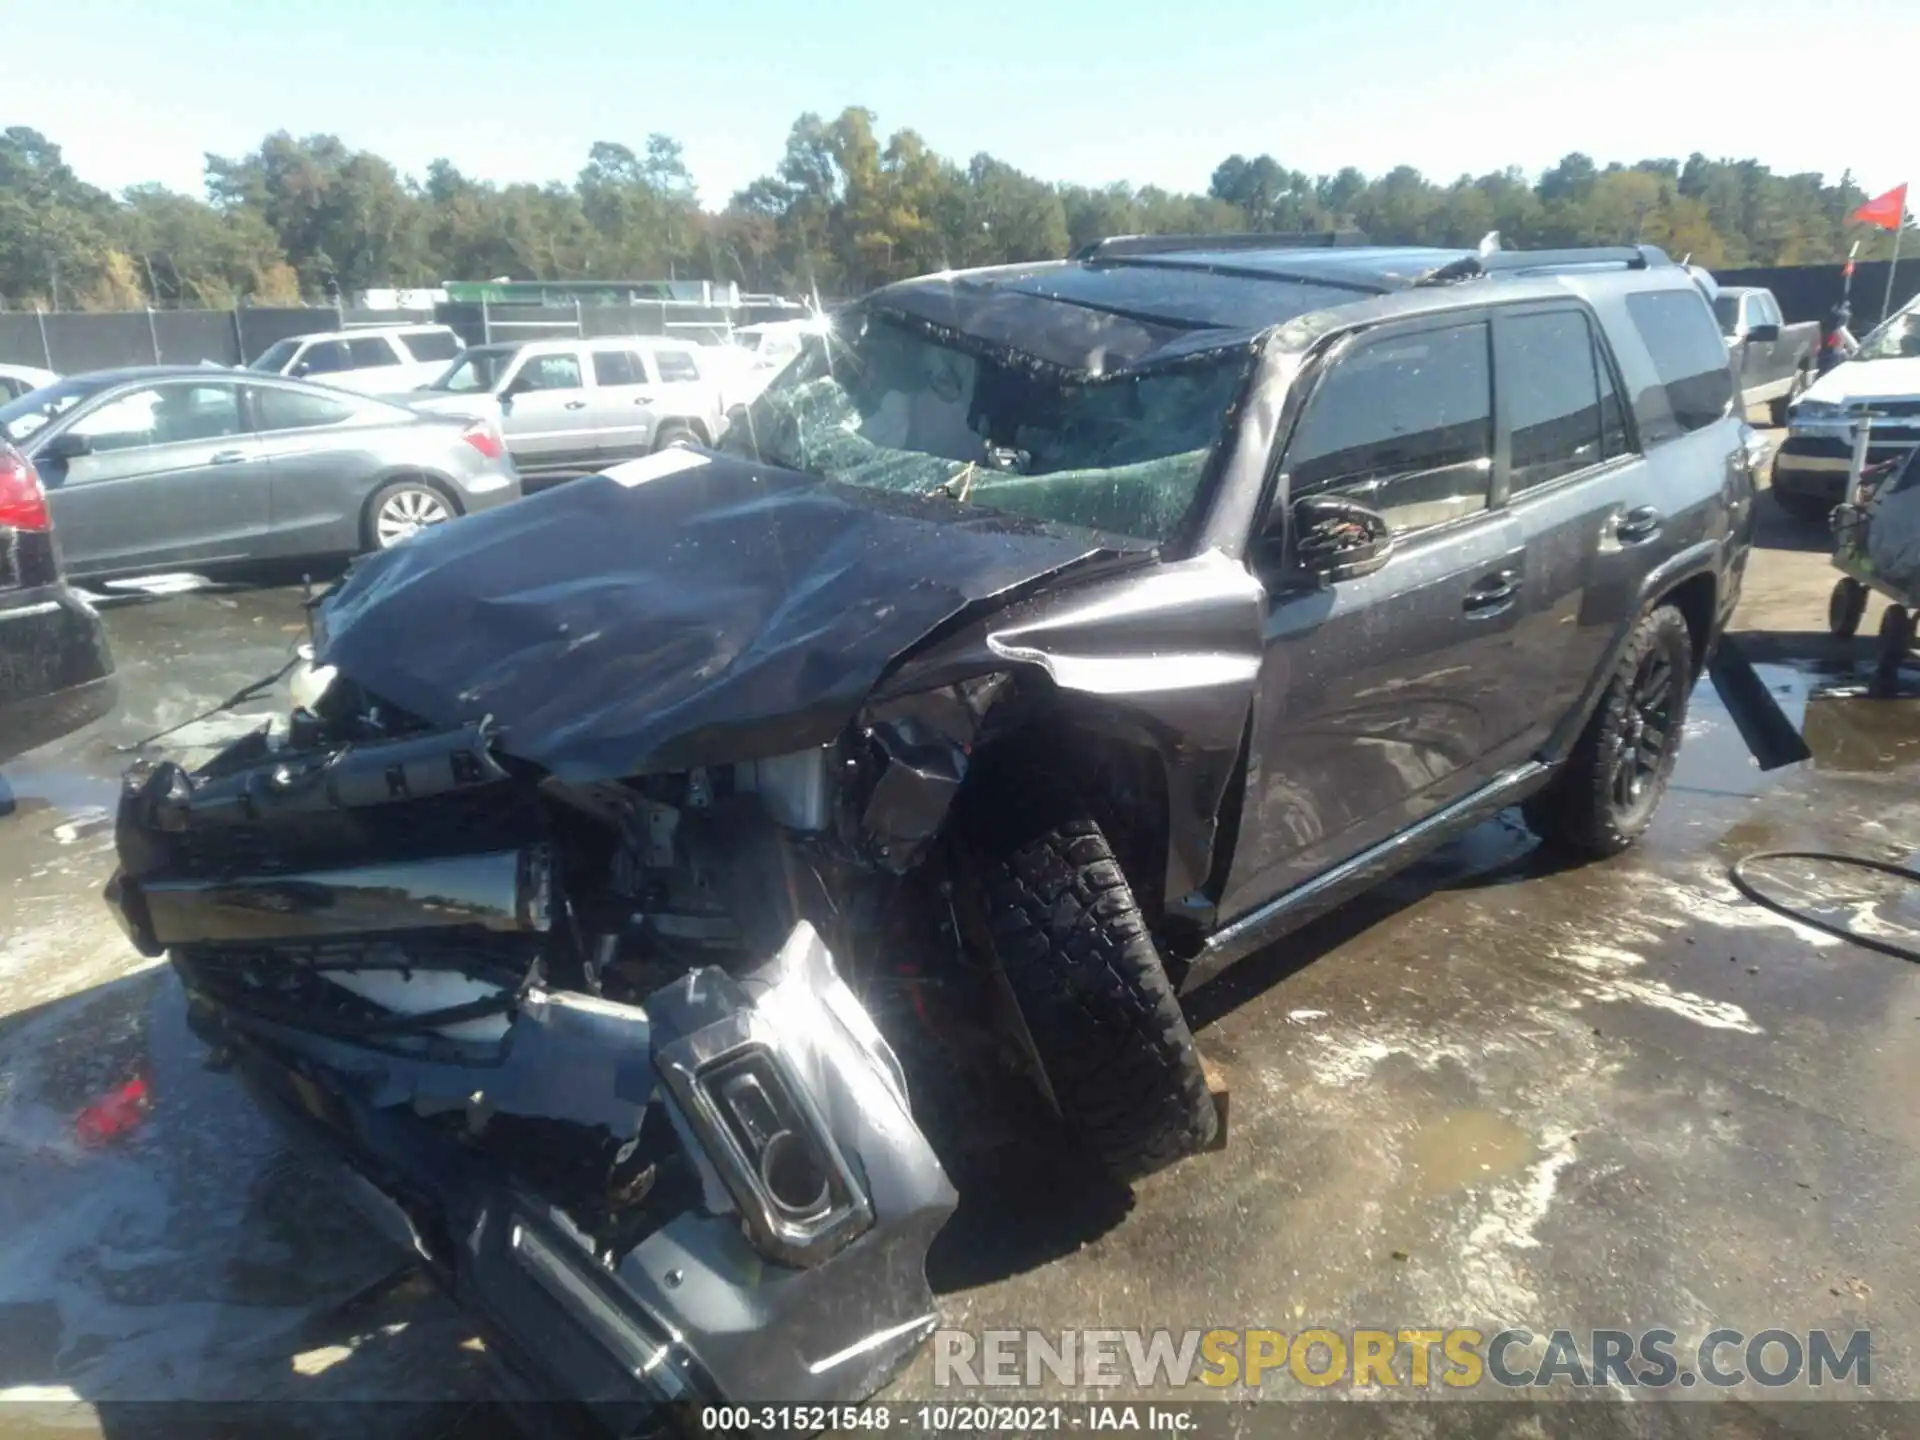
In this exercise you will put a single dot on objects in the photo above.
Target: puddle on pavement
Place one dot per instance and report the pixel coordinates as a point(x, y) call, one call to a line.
point(67, 788)
point(1850, 733)
point(1847, 730)
point(1462, 1148)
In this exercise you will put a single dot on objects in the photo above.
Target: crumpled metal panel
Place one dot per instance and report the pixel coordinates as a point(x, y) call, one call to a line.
point(1163, 658)
point(696, 1299)
point(726, 612)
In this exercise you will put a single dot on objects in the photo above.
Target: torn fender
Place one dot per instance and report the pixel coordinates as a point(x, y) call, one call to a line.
point(724, 612)
point(1164, 659)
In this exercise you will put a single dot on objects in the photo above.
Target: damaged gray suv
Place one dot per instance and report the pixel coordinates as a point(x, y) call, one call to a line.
point(647, 861)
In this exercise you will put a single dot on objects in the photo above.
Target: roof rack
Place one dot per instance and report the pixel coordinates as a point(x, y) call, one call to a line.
point(1115, 247)
point(1469, 267)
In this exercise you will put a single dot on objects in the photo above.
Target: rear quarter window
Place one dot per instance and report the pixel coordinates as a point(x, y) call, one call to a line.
point(675, 365)
point(1695, 382)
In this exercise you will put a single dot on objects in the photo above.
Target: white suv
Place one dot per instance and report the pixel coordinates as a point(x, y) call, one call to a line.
point(569, 407)
point(373, 361)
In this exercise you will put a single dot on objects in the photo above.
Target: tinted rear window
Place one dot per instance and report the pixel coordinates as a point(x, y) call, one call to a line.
point(431, 345)
point(1550, 387)
point(276, 409)
point(1690, 359)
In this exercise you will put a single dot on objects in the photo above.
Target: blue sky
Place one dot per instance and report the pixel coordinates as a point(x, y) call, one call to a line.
point(1149, 91)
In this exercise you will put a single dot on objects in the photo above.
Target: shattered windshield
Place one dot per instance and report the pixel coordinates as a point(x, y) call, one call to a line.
point(888, 407)
point(1898, 339)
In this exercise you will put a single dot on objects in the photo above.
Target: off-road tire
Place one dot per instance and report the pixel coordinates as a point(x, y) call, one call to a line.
point(1102, 1016)
point(1581, 809)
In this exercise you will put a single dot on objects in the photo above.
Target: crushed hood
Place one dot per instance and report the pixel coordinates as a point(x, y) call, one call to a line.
point(686, 610)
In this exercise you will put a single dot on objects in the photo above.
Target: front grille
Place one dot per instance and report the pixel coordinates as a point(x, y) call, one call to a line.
point(1894, 408)
point(460, 823)
point(1821, 447)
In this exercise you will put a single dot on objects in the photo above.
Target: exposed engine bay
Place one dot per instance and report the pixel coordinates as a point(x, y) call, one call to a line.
point(595, 993)
point(622, 996)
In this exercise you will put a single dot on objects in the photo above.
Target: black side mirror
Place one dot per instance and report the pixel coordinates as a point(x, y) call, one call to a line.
point(1339, 539)
point(1764, 334)
point(66, 447)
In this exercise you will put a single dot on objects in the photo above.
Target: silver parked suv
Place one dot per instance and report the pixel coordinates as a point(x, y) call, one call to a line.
point(571, 406)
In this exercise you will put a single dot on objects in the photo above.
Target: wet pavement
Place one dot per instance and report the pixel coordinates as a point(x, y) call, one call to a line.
point(1495, 1093)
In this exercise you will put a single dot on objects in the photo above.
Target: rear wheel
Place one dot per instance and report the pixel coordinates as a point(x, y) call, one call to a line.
point(403, 508)
point(1845, 606)
point(1098, 1009)
point(1606, 794)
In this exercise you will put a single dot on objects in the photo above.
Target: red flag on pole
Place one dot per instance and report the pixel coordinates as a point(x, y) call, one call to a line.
point(1886, 210)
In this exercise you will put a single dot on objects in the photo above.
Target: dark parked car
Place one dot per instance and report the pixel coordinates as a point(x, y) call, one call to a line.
point(1046, 638)
point(56, 673)
point(181, 465)
point(1772, 359)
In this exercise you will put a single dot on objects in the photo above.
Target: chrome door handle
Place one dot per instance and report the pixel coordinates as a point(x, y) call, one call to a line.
point(229, 457)
point(1492, 595)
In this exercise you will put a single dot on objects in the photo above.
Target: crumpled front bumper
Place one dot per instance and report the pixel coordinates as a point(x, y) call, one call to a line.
point(799, 1278)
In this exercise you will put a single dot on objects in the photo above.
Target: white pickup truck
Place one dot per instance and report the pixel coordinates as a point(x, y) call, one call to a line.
point(1882, 382)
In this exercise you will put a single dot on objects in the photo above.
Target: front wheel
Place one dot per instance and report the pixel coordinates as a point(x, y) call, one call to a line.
point(402, 509)
point(1099, 1011)
point(1605, 795)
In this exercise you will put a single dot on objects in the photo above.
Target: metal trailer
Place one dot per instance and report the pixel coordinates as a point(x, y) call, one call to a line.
point(1852, 524)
